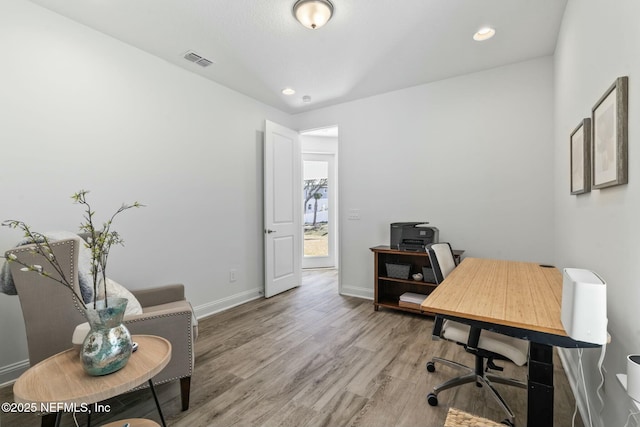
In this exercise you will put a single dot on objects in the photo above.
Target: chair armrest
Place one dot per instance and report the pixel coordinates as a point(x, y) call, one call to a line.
point(174, 325)
point(159, 295)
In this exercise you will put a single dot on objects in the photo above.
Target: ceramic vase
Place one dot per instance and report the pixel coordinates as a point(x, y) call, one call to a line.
point(107, 347)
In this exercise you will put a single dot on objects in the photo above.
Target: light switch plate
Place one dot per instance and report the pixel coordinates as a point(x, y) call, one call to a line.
point(353, 214)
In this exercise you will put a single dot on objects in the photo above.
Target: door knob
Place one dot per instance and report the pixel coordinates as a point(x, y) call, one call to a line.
point(268, 231)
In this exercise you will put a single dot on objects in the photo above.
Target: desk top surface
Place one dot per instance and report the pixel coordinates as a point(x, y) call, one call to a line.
point(510, 293)
point(61, 378)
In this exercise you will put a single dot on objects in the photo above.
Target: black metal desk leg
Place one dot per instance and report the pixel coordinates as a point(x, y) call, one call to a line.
point(540, 386)
point(155, 397)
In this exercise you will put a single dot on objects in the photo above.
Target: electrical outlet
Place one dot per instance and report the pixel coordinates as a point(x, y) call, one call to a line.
point(233, 275)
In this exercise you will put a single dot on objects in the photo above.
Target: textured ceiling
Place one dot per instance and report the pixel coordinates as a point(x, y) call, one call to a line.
point(368, 47)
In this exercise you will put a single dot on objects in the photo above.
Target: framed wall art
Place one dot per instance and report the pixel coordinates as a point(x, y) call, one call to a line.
point(609, 136)
point(580, 157)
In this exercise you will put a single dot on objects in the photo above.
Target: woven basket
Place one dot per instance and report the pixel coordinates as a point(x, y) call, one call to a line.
point(398, 271)
point(458, 418)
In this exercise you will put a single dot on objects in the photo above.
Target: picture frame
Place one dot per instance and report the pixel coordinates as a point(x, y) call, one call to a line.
point(580, 158)
point(609, 122)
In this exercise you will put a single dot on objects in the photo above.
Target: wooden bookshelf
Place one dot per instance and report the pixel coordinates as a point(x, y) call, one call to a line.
point(387, 290)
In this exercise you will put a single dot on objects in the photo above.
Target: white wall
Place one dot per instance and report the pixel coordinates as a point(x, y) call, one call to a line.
point(470, 154)
point(599, 41)
point(79, 110)
point(319, 144)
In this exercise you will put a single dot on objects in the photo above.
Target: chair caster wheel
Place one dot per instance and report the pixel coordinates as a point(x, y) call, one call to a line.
point(431, 367)
point(508, 423)
point(432, 399)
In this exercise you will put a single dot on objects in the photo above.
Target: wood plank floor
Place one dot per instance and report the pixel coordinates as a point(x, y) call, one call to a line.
point(310, 357)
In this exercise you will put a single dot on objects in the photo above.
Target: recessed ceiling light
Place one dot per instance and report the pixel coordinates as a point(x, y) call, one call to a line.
point(484, 34)
point(288, 91)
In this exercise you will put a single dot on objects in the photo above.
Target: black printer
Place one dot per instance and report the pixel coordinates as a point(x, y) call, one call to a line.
point(412, 236)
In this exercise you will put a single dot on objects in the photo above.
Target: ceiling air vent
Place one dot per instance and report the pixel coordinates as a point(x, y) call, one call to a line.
point(198, 59)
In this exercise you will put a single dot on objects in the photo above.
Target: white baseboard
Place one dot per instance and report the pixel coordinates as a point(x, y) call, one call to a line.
point(214, 307)
point(353, 291)
point(571, 369)
point(10, 373)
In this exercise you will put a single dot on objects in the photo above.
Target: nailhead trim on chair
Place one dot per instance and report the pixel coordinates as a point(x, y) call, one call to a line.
point(71, 269)
point(190, 332)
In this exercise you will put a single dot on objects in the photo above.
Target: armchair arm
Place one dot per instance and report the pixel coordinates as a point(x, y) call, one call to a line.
point(175, 325)
point(159, 295)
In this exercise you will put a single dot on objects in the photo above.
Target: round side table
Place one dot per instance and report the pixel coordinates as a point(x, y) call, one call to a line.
point(60, 381)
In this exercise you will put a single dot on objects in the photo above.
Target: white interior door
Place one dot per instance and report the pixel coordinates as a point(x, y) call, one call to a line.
point(282, 200)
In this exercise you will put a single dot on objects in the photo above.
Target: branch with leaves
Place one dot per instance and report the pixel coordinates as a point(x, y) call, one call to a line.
point(312, 186)
point(99, 243)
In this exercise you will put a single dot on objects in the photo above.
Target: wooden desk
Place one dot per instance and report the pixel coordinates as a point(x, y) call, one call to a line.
point(61, 380)
point(519, 299)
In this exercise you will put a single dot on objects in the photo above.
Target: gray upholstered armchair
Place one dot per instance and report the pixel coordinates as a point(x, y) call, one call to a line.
point(51, 313)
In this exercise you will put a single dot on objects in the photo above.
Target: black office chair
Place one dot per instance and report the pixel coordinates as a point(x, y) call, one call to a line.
point(484, 345)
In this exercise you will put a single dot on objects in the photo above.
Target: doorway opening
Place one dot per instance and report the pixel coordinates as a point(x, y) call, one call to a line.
point(320, 201)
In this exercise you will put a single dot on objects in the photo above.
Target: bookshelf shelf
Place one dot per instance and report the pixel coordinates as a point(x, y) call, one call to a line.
point(387, 290)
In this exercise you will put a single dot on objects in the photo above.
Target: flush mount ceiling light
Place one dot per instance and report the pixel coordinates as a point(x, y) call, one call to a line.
point(484, 34)
point(288, 91)
point(313, 14)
